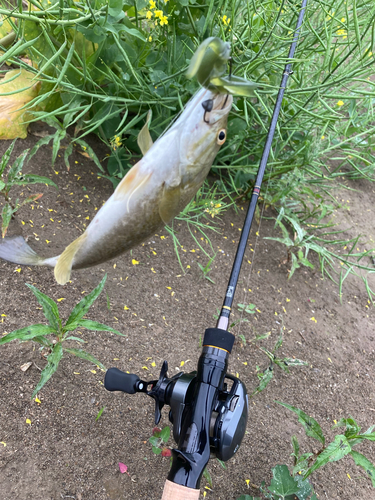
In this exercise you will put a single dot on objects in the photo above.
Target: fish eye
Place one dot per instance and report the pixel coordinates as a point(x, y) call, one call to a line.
point(221, 136)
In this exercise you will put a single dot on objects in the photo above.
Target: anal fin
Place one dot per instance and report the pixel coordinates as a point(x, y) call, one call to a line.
point(169, 203)
point(64, 264)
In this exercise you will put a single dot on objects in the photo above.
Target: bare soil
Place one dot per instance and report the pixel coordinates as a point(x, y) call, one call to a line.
point(65, 453)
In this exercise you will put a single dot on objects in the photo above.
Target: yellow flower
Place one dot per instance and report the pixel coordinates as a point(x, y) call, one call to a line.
point(148, 14)
point(150, 38)
point(340, 103)
point(163, 20)
point(152, 4)
point(159, 14)
point(341, 33)
point(343, 19)
point(165, 1)
point(116, 143)
point(226, 20)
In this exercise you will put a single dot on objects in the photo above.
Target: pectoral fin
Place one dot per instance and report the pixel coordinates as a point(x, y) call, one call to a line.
point(169, 204)
point(64, 264)
point(144, 139)
point(132, 185)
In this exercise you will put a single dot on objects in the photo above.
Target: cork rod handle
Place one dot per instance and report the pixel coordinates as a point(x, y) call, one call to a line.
point(174, 491)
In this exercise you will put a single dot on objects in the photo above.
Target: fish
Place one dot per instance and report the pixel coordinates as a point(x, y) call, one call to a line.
point(153, 192)
point(208, 65)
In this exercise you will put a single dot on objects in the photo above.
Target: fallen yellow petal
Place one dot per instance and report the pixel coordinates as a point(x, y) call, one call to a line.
point(135, 262)
point(28, 421)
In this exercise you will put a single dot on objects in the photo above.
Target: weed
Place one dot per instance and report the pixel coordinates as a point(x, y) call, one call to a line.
point(158, 441)
point(14, 177)
point(54, 349)
point(288, 486)
point(266, 375)
point(207, 269)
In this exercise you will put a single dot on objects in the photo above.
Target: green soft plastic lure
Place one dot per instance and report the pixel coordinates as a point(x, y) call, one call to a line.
point(209, 63)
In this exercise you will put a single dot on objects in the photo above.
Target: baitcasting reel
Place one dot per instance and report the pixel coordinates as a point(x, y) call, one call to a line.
point(229, 409)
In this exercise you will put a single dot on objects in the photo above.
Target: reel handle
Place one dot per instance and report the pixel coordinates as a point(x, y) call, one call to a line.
point(116, 380)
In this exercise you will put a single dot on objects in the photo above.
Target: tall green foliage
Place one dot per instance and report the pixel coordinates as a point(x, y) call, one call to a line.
point(104, 64)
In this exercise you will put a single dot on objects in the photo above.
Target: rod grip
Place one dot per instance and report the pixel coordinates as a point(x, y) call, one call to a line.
point(116, 380)
point(173, 491)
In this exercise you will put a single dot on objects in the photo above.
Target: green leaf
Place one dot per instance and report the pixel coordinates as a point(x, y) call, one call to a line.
point(156, 450)
point(33, 179)
point(154, 440)
point(6, 215)
point(311, 426)
point(2, 185)
point(278, 344)
point(84, 305)
point(114, 7)
point(352, 428)
point(78, 339)
point(357, 440)
point(249, 308)
point(52, 363)
point(59, 135)
point(16, 168)
point(365, 463)
point(248, 497)
point(304, 488)
point(133, 32)
point(90, 152)
point(99, 413)
point(5, 158)
point(208, 477)
point(50, 308)
point(370, 437)
point(27, 333)
point(41, 142)
point(165, 433)
point(333, 452)
point(80, 353)
point(98, 327)
point(295, 445)
point(302, 464)
point(282, 483)
point(294, 362)
point(67, 153)
point(265, 379)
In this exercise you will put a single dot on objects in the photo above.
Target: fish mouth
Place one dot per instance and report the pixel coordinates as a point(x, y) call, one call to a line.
point(220, 104)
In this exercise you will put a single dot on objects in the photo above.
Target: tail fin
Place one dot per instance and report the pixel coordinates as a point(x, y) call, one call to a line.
point(15, 249)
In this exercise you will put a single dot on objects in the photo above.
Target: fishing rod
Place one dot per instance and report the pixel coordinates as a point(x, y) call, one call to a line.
point(208, 407)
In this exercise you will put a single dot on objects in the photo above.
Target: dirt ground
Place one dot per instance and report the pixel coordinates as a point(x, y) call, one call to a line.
point(64, 453)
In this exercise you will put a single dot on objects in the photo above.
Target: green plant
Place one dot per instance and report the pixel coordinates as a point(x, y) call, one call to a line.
point(206, 269)
point(53, 348)
point(60, 134)
point(12, 177)
point(288, 486)
point(108, 63)
point(266, 375)
point(158, 441)
point(100, 412)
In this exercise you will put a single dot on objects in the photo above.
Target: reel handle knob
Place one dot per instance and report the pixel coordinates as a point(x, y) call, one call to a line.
point(116, 380)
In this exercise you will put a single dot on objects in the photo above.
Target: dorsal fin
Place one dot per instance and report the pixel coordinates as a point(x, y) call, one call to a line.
point(144, 139)
point(64, 264)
